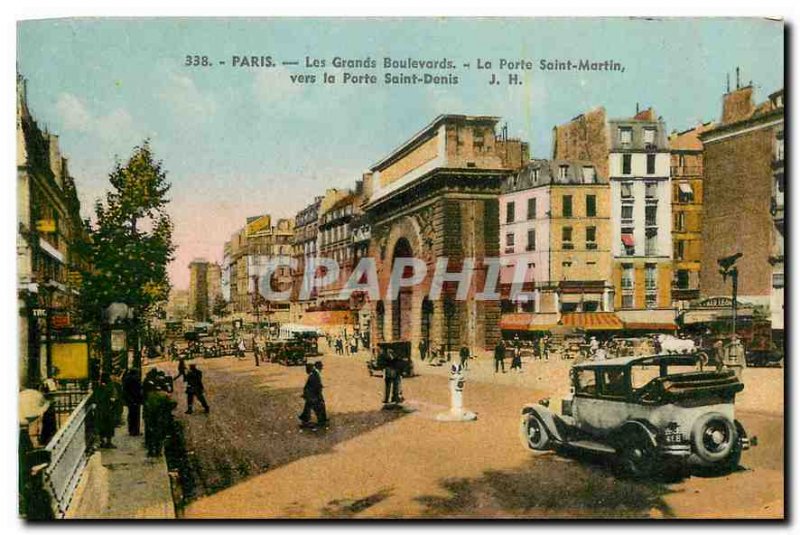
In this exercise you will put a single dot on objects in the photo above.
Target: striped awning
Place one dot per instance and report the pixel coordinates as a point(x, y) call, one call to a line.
point(592, 321)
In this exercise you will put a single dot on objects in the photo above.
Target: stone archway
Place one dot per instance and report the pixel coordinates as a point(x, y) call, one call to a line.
point(402, 315)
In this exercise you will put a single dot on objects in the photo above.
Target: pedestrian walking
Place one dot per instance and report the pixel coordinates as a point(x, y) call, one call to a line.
point(500, 357)
point(133, 398)
point(106, 404)
point(463, 355)
point(423, 349)
point(312, 394)
point(516, 358)
point(240, 348)
point(195, 389)
point(392, 378)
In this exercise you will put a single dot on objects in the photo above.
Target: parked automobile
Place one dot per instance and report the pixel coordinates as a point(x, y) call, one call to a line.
point(651, 413)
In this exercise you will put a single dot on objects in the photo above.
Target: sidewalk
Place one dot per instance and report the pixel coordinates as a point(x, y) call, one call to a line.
point(123, 483)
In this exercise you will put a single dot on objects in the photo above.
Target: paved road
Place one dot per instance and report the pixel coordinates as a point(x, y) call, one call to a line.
point(251, 460)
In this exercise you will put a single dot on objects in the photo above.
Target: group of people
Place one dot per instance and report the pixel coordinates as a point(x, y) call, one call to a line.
point(503, 349)
point(345, 344)
point(148, 397)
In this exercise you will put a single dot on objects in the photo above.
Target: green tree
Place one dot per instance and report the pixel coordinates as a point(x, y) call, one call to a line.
point(131, 242)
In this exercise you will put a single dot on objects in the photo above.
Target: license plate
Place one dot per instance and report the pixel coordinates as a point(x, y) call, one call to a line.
point(675, 438)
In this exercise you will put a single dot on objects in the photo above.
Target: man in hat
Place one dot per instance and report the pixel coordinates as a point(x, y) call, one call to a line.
point(312, 394)
point(132, 395)
point(195, 389)
point(106, 402)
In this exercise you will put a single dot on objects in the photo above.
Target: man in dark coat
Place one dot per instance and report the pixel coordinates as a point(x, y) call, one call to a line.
point(181, 369)
point(195, 389)
point(133, 397)
point(312, 394)
point(500, 357)
point(464, 357)
point(392, 377)
point(106, 403)
point(158, 408)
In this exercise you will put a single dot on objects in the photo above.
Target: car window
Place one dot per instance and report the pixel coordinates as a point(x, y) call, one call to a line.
point(586, 382)
point(613, 381)
point(641, 375)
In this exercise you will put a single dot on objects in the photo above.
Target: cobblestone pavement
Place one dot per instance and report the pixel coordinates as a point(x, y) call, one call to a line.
point(250, 458)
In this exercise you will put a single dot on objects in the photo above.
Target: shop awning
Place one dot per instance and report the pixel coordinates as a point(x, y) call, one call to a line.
point(527, 321)
point(627, 240)
point(685, 188)
point(650, 326)
point(592, 321)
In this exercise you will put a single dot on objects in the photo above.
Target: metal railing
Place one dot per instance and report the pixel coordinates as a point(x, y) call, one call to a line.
point(69, 452)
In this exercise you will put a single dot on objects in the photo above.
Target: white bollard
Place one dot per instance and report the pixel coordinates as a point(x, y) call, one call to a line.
point(457, 412)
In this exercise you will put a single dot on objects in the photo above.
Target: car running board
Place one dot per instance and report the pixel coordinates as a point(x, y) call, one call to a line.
point(591, 445)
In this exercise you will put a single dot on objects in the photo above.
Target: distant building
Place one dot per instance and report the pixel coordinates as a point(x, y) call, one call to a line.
point(743, 201)
point(304, 248)
point(199, 306)
point(686, 170)
point(177, 308)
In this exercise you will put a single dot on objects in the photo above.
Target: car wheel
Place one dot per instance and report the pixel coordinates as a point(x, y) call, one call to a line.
point(534, 433)
point(715, 439)
point(638, 455)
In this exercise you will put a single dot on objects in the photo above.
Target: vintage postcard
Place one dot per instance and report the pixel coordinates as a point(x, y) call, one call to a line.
point(373, 268)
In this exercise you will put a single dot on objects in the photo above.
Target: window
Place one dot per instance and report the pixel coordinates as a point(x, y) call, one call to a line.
point(562, 171)
point(651, 300)
point(651, 164)
point(510, 212)
point(626, 189)
point(649, 136)
point(680, 249)
point(685, 192)
point(531, 240)
point(535, 174)
point(650, 190)
point(585, 382)
point(651, 242)
point(651, 215)
point(682, 279)
point(591, 237)
point(627, 241)
point(626, 164)
point(588, 174)
point(566, 237)
point(509, 243)
point(627, 300)
point(650, 277)
point(625, 135)
point(627, 212)
point(566, 206)
point(532, 208)
point(680, 221)
point(591, 206)
point(613, 382)
point(627, 277)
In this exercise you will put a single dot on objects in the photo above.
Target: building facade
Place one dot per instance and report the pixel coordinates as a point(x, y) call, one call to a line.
point(50, 233)
point(634, 155)
point(199, 305)
point(686, 171)
point(743, 161)
point(555, 221)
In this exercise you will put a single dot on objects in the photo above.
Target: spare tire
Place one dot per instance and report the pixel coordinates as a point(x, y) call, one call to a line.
point(714, 436)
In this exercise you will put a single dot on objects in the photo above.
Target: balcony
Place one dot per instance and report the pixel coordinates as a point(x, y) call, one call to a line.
point(685, 170)
point(591, 246)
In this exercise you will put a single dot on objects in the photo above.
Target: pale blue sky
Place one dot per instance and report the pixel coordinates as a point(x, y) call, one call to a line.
point(238, 142)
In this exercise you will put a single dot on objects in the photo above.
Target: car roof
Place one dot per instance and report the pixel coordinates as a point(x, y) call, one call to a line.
point(619, 362)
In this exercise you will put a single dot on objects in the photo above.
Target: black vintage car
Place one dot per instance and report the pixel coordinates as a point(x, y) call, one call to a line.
point(401, 350)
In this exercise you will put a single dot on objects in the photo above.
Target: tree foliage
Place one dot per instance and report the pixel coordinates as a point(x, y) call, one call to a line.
point(131, 238)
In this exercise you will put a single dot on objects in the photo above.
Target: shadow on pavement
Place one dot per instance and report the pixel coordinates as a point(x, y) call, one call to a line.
point(349, 508)
point(549, 487)
point(253, 428)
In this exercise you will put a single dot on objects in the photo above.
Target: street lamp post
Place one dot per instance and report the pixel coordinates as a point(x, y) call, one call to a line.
point(728, 268)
